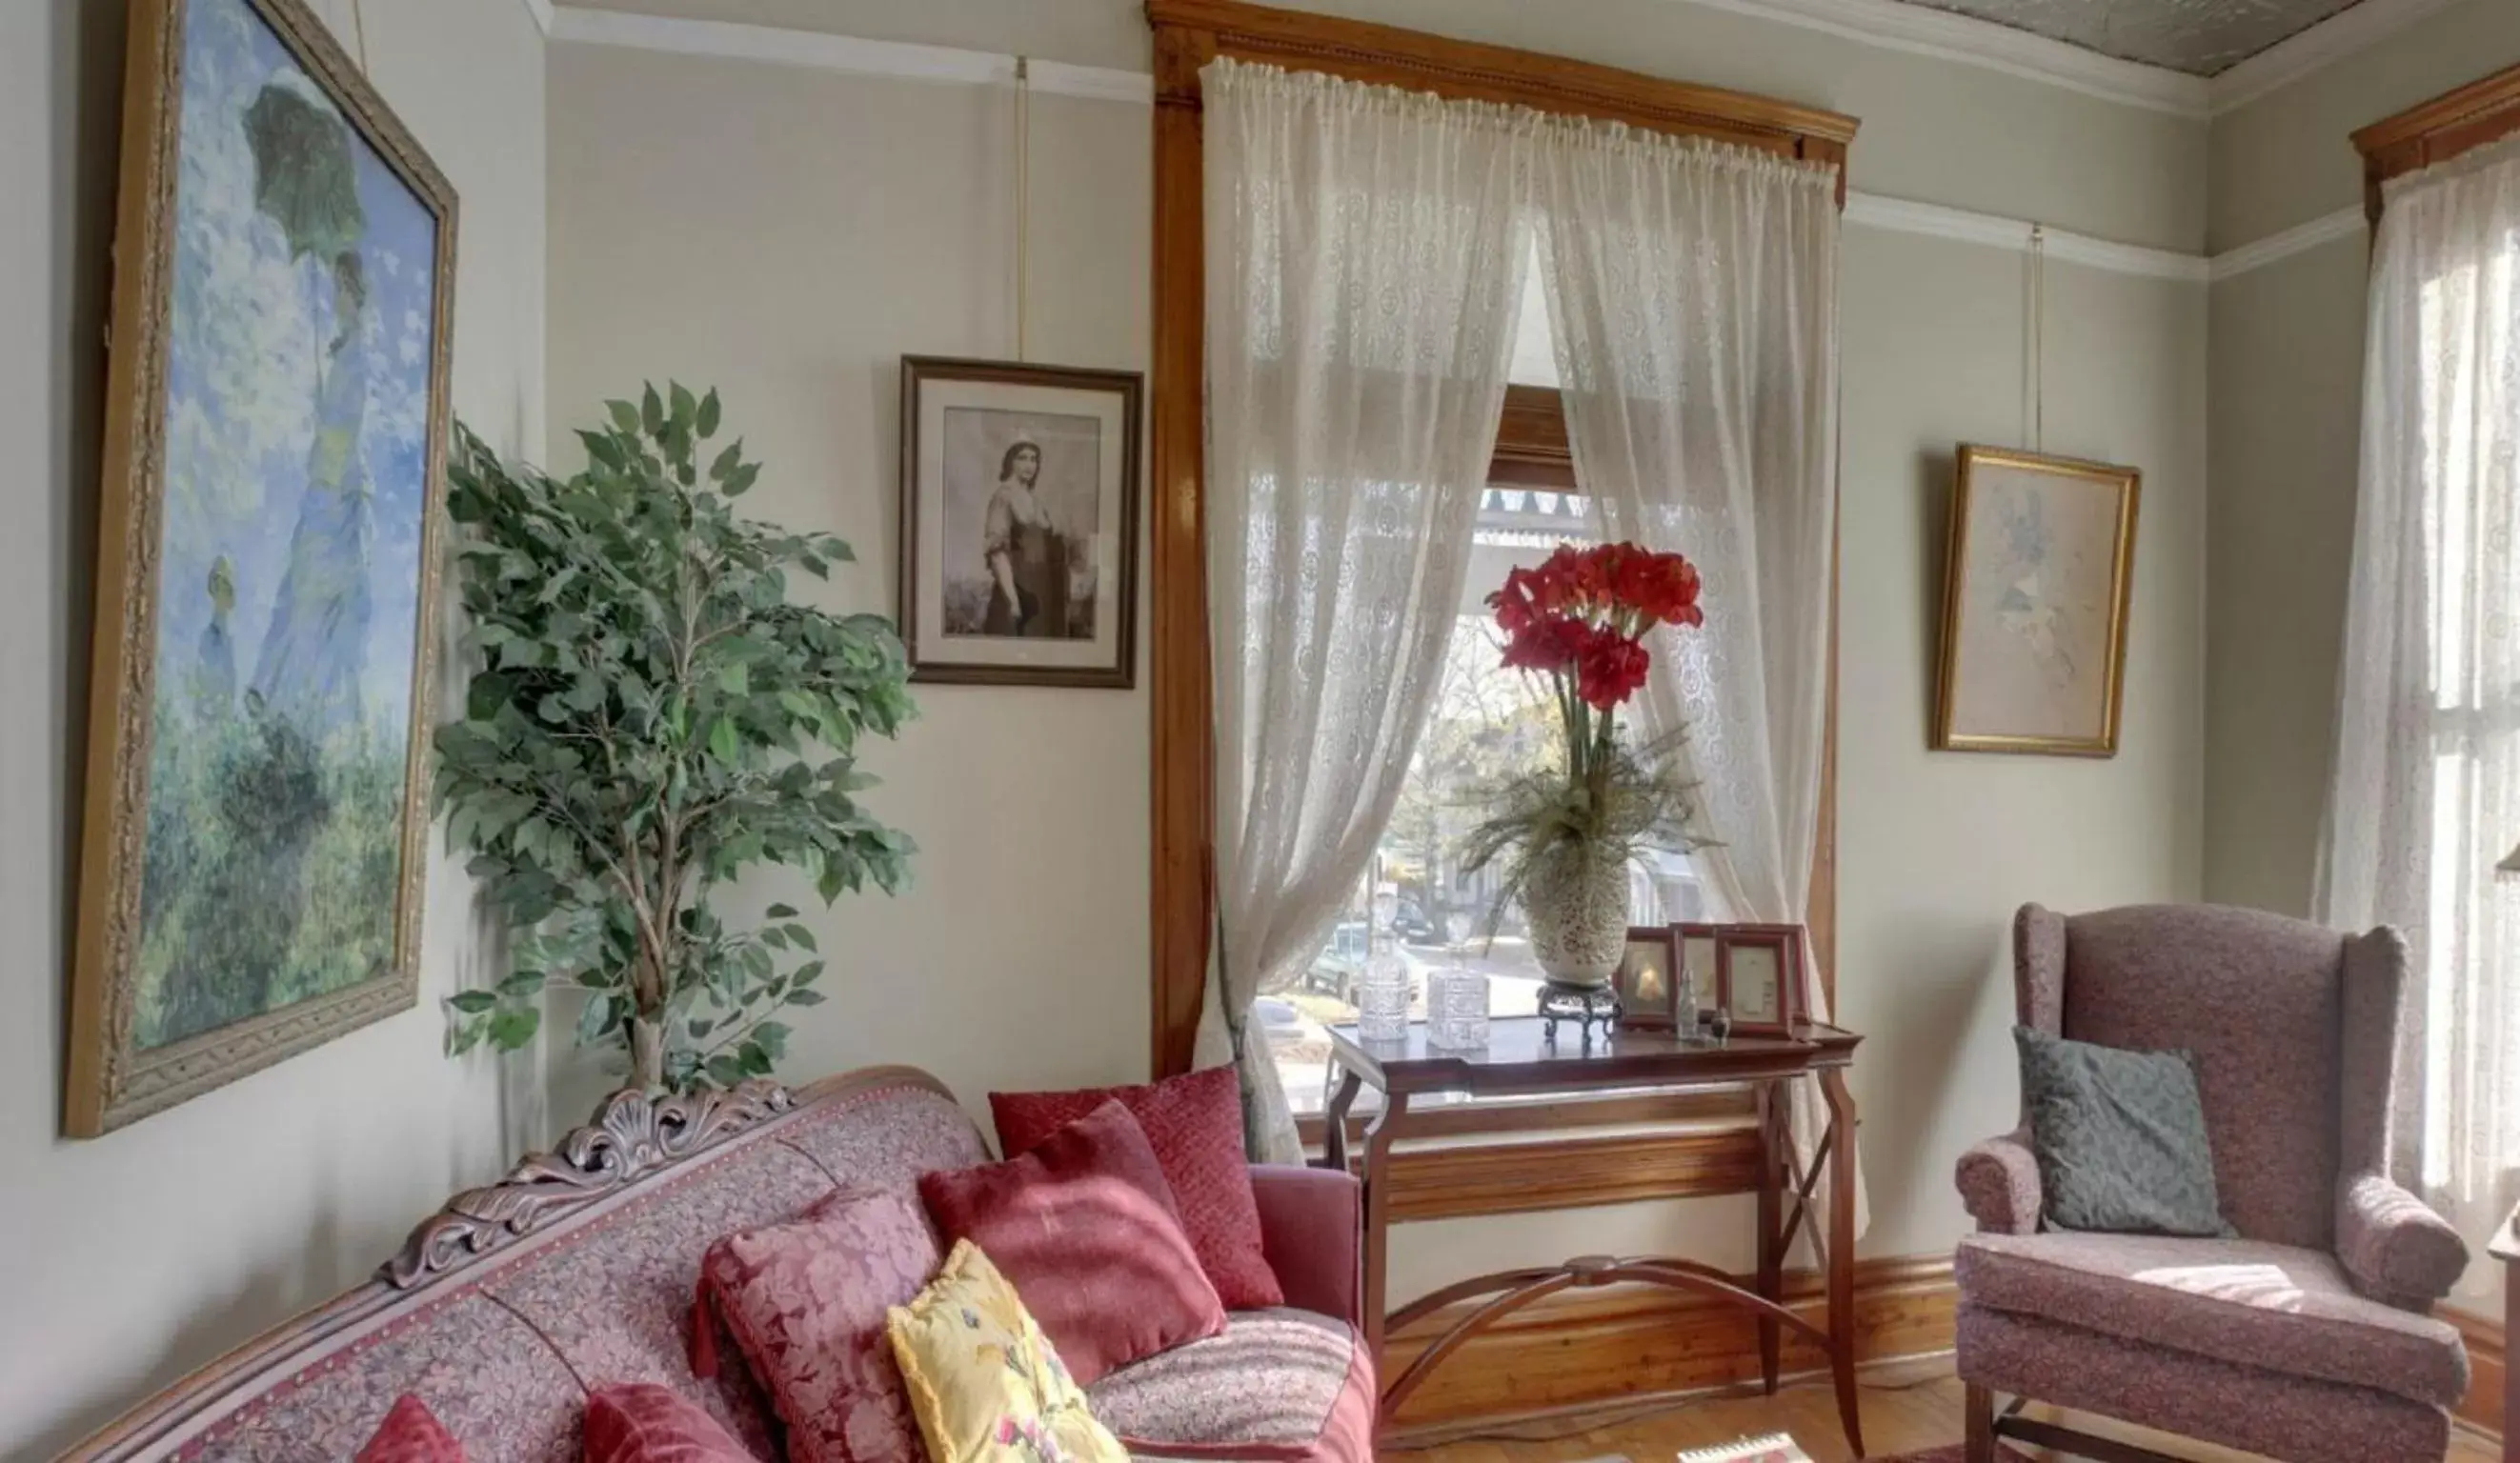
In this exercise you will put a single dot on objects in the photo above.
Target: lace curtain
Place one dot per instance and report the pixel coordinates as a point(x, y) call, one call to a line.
point(2426, 791)
point(1361, 273)
point(1693, 291)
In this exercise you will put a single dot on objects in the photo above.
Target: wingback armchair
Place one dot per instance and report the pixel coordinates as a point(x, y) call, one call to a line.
point(2305, 1336)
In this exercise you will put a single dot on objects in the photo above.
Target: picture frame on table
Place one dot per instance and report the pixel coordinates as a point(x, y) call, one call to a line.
point(1698, 965)
point(1758, 978)
point(1020, 523)
point(1650, 980)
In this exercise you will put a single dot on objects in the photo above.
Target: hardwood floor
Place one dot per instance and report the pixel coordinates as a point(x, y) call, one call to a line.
point(1906, 1408)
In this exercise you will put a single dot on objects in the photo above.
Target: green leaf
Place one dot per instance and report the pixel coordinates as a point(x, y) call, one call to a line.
point(652, 411)
point(685, 409)
point(474, 1002)
point(781, 911)
point(805, 997)
point(736, 679)
point(706, 424)
point(803, 936)
point(722, 741)
point(625, 414)
point(726, 1071)
point(594, 1020)
point(727, 461)
point(513, 1027)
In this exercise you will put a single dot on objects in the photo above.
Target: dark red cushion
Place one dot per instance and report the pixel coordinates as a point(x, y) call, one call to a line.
point(1195, 1123)
point(1083, 1227)
point(640, 1422)
point(410, 1433)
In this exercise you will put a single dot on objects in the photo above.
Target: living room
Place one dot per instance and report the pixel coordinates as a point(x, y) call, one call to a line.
point(818, 215)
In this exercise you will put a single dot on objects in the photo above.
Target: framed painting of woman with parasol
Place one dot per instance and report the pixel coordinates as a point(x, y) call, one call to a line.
point(275, 423)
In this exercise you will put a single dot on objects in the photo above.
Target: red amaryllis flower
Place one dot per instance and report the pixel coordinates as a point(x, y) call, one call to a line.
point(1611, 669)
point(1548, 644)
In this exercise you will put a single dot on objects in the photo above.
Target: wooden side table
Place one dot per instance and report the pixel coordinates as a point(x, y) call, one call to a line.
point(1520, 1060)
point(2507, 1248)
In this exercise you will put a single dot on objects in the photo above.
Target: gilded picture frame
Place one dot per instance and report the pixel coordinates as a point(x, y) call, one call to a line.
point(2036, 595)
point(267, 562)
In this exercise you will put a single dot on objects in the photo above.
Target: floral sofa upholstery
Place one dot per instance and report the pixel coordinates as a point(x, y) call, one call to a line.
point(578, 1271)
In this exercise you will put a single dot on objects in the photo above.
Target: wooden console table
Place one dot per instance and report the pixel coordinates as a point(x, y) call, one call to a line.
point(1519, 1060)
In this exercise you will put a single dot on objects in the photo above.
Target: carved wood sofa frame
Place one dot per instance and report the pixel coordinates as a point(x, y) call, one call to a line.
point(633, 1142)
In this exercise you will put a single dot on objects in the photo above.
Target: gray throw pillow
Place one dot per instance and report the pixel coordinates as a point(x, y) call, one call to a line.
point(2120, 1139)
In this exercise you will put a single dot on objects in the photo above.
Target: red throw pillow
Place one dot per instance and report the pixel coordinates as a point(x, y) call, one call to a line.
point(1084, 1227)
point(640, 1422)
point(410, 1433)
point(1194, 1125)
point(806, 1301)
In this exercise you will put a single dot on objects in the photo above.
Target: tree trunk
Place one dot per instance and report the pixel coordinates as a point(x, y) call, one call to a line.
point(647, 1054)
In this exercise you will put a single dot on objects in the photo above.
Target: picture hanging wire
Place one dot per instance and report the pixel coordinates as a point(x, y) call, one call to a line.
point(2034, 343)
point(1023, 195)
point(359, 31)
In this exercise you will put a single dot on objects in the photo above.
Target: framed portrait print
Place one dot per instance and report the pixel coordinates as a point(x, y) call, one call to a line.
point(1018, 524)
point(2035, 605)
point(1758, 977)
point(1649, 980)
point(276, 424)
point(1698, 962)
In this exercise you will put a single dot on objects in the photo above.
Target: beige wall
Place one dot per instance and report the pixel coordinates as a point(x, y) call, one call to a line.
point(131, 1258)
point(822, 224)
point(787, 236)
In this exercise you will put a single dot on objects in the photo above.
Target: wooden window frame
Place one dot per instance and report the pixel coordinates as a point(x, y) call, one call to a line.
point(2485, 110)
point(1188, 35)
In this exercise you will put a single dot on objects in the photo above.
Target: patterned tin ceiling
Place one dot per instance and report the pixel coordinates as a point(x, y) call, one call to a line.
point(2197, 36)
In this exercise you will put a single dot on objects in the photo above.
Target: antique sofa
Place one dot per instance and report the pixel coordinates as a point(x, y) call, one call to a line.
point(578, 1271)
point(2304, 1334)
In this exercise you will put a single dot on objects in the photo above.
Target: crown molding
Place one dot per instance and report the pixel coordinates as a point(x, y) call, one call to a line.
point(2340, 35)
point(849, 55)
point(540, 12)
point(2344, 222)
point(822, 51)
point(1934, 221)
point(1947, 36)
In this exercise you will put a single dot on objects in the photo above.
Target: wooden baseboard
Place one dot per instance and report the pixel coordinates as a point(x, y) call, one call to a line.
point(1610, 1346)
point(2486, 1361)
point(1579, 1350)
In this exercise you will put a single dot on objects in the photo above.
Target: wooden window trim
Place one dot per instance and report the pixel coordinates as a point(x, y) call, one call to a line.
point(1188, 34)
point(2481, 112)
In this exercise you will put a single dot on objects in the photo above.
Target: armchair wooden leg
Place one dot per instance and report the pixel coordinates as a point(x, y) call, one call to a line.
point(1977, 1406)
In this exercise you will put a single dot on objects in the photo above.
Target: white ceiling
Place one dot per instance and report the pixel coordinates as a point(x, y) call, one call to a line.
point(2202, 37)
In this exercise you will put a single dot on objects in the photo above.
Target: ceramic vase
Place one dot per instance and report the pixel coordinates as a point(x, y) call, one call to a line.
point(1576, 901)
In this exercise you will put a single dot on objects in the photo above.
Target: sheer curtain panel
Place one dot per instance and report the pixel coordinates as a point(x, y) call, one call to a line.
point(1693, 291)
point(2426, 791)
point(1363, 266)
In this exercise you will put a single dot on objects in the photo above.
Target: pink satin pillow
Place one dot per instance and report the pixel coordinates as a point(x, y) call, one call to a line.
point(805, 1301)
point(1085, 1228)
point(640, 1422)
point(410, 1433)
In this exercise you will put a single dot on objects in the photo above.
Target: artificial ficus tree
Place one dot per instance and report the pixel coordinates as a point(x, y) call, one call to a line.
point(651, 715)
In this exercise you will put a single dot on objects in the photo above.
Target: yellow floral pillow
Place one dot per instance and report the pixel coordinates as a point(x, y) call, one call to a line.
point(986, 1382)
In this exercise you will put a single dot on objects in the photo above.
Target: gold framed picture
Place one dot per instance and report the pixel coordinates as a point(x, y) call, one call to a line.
point(274, 437)
point(2035, 603)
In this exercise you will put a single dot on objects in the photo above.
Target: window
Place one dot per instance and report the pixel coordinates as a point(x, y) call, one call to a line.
point(1487, 723)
